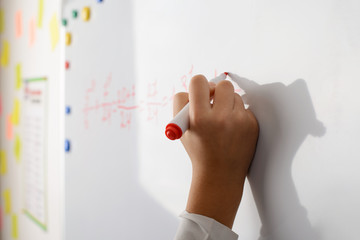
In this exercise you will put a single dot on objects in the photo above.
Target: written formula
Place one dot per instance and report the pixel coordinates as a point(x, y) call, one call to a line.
point(108, 105)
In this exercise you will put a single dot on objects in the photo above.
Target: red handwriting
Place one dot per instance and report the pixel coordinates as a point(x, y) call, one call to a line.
point(119, 105)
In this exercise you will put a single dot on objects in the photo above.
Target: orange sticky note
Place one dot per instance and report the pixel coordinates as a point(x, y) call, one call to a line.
point(14, 226)
point(18, 76)
point(32, 32)
point(9, 127)
point(7, 201)
point(18, 23)
point(17, 148)
point(40, 13)
point(15, 117)
point(54, 32)
point(5, 56)
point(3, 163)
point(2, 20)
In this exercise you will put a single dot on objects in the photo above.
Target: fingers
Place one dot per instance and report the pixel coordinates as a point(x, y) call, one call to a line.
point(180, 100)
point(212, 86)
point(199, 95)
point(238, 103)
point(224, 96)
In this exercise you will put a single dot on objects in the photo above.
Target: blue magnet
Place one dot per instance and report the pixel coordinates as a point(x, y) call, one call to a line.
point(67, 110)
point(67, 145)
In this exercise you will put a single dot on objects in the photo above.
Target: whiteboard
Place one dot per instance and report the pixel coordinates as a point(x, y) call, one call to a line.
point(298, 62)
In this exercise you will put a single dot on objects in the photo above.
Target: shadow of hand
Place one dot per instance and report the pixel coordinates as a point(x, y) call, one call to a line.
point(286, 116)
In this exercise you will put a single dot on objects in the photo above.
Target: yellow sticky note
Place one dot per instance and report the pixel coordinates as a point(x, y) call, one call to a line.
point(54, 31)
point(18, 75)
point(15, 117)
point(5, 54)
point(3, 162)
point(7, 201)
point(17, 148)
point(2, 20)
point(85, 14)
point(14, 226)
point(40, 13)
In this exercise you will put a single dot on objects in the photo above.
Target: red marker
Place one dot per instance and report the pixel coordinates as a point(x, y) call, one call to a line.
point(180, 123)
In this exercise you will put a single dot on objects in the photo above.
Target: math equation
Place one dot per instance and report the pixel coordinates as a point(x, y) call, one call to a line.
point(106, 104)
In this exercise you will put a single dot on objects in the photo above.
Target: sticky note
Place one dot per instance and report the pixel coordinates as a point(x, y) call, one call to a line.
point(18, 23)
point(68, 39)
point(54, 32)
point(85, 13)
point(17, 148)
point(15, 117)
point(2, 20)
point(14, 226)
point(7, 201)
point(3, 163)
point(9, 127)
point(18, 76)
point(32, 32)
point(40, 13)
point(5, 56)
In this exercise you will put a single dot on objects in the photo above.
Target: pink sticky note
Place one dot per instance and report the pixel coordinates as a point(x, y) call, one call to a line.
point(32, 28)
point(9, 128)
point(18, 23)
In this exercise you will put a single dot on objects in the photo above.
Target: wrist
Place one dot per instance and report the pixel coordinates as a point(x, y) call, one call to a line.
point(215, 195)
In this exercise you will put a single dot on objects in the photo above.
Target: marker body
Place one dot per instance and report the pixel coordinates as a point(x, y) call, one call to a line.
point(180, 123)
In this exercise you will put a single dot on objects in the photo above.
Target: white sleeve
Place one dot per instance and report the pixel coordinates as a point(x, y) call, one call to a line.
point(198, 227)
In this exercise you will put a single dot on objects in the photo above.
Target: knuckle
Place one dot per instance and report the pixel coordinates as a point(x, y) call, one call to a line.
point(180, 95)
point(198, 79)
point(179, 98)
point(197, 82)
point(227, 85)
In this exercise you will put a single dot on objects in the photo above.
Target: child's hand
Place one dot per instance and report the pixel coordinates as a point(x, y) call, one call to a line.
point(221, 142)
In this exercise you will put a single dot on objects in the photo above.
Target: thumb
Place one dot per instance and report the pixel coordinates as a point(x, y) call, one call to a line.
point(180, 100)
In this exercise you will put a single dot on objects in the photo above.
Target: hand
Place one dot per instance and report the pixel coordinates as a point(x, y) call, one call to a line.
point(220, 142)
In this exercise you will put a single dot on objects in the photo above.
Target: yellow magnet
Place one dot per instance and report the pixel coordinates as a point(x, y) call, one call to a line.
point(85, 14)
point(68, 39)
